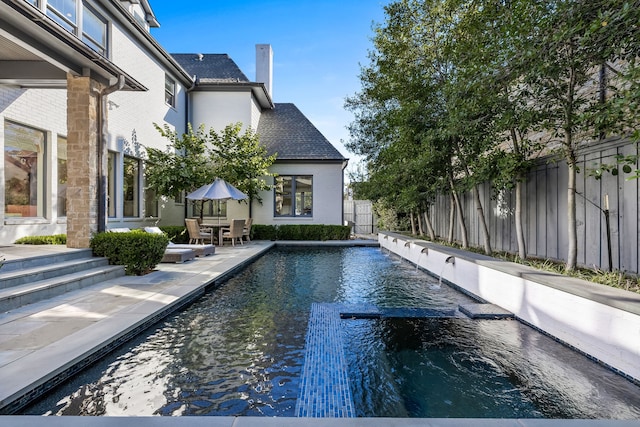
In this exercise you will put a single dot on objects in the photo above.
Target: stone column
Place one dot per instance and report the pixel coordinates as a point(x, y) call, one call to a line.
point(83, 145)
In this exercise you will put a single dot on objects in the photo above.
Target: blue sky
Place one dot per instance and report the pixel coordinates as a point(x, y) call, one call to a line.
point(318, 47)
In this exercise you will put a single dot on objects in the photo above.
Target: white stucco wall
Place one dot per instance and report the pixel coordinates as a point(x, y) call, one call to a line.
point(218, 109)
point(327, 195)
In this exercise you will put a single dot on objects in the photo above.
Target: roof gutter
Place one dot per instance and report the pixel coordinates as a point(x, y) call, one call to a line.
point(60, 47)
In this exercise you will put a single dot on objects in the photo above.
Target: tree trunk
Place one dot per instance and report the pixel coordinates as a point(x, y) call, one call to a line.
point(413, 223)
point(572, 231)
point(522, 249)
point(419, 218)
point(427, 220)
point(463, 226)
point(485, 230)
point(452, 217)
point(570, 155)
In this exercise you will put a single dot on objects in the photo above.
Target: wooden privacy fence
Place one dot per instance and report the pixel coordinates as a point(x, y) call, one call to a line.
point(359, 214)
point(545, 212)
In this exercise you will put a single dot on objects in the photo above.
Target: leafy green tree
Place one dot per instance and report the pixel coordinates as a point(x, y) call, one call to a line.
point(571, 42)
point(197, 158)
point(183, 166)
point(239, 158)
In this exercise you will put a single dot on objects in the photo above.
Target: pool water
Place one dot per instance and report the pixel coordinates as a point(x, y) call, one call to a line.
point(239, 350)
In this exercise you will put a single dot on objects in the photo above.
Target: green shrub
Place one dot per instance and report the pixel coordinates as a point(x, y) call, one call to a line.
point(301, 232)
point(56, 239)
point(138, 251)
point(176, 233)
point(264, 232)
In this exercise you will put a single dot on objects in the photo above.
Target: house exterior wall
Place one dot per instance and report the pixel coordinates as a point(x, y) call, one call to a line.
point(218, 109)
point(255, 114)
point(327, 195)
point(130, 117)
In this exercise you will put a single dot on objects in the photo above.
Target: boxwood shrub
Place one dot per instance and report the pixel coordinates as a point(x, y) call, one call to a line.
point(138, 251)
point(56, 239)
point(176, 233)
point(263, 232)
point(300, 232)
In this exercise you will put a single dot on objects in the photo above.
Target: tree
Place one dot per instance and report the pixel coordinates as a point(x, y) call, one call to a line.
point(184, 166)
point(570, 45)
point(240, 159)
point(196, 158)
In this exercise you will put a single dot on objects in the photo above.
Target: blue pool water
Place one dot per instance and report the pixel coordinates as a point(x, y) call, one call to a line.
point(239, 350)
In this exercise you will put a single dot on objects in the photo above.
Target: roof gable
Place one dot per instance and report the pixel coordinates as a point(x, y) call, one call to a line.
point(286, 131)
point(210, 67)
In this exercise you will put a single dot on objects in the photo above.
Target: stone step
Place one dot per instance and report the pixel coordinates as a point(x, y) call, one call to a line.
point(49, 270)
point(44, 259)
point(17, 296)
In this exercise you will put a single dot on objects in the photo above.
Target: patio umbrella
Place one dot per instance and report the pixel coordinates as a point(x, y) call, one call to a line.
point(220, 190)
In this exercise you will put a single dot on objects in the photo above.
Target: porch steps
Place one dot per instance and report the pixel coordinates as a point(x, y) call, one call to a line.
point(28, 280)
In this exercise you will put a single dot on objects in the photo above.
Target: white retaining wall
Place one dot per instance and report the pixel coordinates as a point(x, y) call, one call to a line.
point(600, 321)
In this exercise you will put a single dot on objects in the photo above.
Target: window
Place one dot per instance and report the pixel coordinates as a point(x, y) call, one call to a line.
point(111, 179)
point(216, 208)
point(80, 19)
point(23, 171)
point(131, 187)
point(150, 200)
point(65, 13)
point(293, 195)
point(150, 203)
point(169, 91)
point(94, 31)
point(62, 176)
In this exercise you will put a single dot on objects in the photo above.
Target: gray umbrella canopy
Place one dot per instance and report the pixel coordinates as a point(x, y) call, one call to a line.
point(219, 190)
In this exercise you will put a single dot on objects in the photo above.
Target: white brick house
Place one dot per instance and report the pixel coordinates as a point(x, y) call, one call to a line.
point(82, 84)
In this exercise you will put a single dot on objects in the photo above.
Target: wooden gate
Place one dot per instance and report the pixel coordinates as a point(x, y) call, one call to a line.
point(359, 214)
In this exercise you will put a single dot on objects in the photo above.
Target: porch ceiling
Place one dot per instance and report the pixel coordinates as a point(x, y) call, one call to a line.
point(36, 52)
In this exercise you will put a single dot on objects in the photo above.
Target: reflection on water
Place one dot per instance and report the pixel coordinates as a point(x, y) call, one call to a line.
point(239, 351)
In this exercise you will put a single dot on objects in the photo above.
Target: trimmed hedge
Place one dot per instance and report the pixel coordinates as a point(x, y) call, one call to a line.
point(176, 233)
point(300, 232)
point(138, 251)
point(56, 239)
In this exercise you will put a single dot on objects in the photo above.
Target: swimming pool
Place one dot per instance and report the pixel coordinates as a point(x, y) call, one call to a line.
point(239, 350)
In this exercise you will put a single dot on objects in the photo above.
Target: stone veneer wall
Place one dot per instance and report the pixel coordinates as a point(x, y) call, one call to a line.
point(83, 144)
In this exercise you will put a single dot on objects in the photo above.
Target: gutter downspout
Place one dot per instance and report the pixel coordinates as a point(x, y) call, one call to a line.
point(194, 80)
point(102, 148)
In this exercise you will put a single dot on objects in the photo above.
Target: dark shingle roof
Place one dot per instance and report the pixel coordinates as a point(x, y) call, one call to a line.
point(286, 131)
point(210, 67)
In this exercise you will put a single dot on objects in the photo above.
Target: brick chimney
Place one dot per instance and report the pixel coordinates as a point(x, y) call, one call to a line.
point(264, 66)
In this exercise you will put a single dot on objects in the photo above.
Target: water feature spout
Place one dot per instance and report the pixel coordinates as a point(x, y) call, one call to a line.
point(407, 244)
point(425, 251)
point(385, 237)
point(395, 239)
point(449, 260)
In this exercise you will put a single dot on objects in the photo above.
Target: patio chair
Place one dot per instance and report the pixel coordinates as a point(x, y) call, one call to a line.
point(196, 234)
point(233, 232)
point(246, 230)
